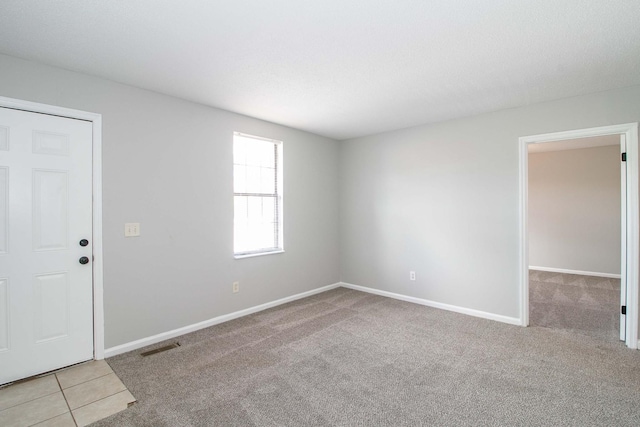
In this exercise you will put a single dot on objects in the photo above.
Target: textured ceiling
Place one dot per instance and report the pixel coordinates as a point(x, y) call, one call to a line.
point(339, 68)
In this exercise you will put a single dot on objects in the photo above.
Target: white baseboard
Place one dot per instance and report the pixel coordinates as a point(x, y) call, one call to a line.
point(579, 272)
point(434, 304)
point(134, 345)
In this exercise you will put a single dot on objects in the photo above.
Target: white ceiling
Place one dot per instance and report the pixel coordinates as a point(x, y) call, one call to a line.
point(339, 68)
point(575, 144)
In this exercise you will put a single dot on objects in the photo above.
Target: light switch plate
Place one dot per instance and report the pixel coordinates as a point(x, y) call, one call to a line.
point(132, 229)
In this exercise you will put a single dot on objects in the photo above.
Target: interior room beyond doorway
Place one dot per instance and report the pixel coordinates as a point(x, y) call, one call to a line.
point(575, 236)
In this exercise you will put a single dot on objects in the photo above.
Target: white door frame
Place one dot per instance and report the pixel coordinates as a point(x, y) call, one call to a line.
point(630, 131)
point(96, 119)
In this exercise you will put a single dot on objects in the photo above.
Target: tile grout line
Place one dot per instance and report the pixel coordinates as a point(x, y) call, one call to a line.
point(66, 401)
point(61, 390)
point(106, 397)
point(26, 401)
point(84, 382)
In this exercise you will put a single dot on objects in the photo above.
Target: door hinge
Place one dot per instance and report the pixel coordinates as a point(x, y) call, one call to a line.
point(623, 310)
point(624, 157)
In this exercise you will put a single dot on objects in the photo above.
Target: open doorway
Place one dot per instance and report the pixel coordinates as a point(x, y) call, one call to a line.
point(627, 135)
point(575, 235)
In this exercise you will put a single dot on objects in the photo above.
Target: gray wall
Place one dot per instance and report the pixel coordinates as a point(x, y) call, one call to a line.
point(574, 209)
point(442, 200)
point(167, 164)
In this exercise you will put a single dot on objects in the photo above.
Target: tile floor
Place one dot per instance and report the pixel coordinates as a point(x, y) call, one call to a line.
point(76, 396)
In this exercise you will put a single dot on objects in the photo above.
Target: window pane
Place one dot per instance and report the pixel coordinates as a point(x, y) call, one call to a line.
point(261, 235)
point(255, 226)
point(254, 209)
point(240, 209)
point(254, 183)
point(265, 235)
point(239, 179)
point(269, 209)
point(256, 217)
point(268, 180)
point(267, 154)
point(260, 153)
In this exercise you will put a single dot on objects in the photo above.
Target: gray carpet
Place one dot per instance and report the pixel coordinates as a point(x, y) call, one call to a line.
point(578, 304)
point(346, 358)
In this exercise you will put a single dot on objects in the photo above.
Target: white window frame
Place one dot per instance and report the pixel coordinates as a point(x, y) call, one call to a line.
point(278, 196)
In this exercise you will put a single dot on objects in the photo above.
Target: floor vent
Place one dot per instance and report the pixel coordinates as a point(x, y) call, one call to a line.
point(160, 350)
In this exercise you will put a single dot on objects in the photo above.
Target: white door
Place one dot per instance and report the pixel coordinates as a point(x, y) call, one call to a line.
point(46, 297)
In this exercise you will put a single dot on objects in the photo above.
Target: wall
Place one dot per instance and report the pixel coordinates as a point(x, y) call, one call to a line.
point(167, 164)
point(439, 199)
point(443, 200)
point(574, 209)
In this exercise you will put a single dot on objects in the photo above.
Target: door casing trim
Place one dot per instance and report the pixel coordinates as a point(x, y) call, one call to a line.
point(630, 130)
point(98, 267)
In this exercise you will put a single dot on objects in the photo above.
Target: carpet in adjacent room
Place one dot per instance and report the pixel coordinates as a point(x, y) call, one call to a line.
point(574, 303)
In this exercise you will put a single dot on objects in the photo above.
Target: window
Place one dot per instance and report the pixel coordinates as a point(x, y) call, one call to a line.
point(257, 187)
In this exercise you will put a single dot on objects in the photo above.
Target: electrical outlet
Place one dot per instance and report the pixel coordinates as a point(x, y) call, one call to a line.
point(412, 275)
point(132, 229)
point(236, 287)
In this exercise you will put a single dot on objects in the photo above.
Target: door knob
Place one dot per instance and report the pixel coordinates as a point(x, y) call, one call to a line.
point(83, 260)
point(84, 242)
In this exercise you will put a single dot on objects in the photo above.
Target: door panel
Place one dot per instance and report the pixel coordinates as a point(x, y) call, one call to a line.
point(4, 315)
point(50, 210)
point(4, 209)
point(4, 138)
point(46, 296)
point(51, 307)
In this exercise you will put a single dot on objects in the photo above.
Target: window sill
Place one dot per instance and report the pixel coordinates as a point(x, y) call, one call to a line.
point(279, 251)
